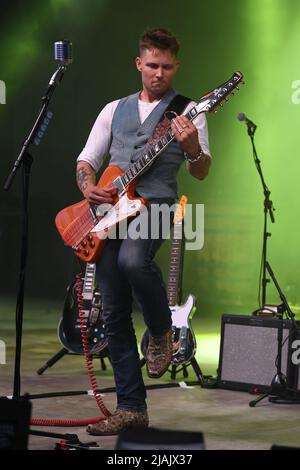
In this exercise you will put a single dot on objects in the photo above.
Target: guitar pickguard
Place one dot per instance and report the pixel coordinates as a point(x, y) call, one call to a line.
point(184, 342)
point(182, 313)
point(122, 210)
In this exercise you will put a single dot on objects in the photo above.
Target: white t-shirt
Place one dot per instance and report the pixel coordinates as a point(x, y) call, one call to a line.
point(99, 140)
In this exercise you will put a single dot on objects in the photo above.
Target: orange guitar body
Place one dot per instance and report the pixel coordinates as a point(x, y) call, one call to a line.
point(75, 223)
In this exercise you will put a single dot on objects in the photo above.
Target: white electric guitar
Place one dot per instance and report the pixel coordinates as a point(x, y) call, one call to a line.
point(184, 342)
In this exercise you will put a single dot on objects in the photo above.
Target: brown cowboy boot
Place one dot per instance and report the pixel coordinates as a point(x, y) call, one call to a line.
point(119, 420)
point(159, 354)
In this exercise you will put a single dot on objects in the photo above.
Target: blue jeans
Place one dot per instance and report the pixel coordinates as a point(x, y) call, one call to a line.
point(126, 267)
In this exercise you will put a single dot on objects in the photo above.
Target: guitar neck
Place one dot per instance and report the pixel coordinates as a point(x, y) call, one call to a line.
point(207, 103)
point(89, 281)
point(152, 152)
point(174, 290)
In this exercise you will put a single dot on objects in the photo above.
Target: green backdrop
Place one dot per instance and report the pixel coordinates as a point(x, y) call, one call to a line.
point(259, 37)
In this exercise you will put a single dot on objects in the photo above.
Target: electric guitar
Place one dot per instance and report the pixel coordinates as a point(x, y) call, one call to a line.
point(69, 326)
point(184, 342)
point(84, 227)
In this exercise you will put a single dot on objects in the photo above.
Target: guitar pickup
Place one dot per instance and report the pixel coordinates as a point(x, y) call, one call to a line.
point(182, 339)
point(93, 214)
point(118, 183)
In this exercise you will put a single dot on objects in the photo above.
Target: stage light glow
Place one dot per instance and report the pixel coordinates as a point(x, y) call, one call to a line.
point(259, 38)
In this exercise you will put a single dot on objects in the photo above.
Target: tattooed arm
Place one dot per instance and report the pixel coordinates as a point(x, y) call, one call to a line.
point(86, 180)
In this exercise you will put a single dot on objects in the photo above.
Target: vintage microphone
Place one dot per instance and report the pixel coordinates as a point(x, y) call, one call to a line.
point(62, 55)
point(63, 52)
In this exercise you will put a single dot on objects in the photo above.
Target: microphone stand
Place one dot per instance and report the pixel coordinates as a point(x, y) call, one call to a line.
point(25, 160)
point(278, 391)
point(268, 208)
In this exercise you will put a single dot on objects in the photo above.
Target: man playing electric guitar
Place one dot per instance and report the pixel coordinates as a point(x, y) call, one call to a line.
point(126, 266)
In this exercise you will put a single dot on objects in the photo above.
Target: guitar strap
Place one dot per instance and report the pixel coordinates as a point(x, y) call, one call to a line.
point(175, 107)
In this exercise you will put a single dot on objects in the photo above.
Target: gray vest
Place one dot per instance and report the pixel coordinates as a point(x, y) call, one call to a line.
point(129, 138)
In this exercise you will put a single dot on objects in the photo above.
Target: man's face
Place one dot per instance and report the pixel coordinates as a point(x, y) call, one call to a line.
point(158, 68)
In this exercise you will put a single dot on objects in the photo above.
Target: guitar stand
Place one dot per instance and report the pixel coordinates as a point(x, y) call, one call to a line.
point(183, 368)
point(63, 352)
point(174, 370)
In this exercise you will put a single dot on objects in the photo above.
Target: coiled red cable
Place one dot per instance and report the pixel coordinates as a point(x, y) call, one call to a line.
point(90, 369)
point(65, 422)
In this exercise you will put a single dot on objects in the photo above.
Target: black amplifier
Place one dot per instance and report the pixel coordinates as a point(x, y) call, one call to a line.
point(249, 350)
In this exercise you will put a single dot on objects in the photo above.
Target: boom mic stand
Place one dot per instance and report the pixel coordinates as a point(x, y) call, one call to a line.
point(63, 56)
point(268, 207)
point(278, 391)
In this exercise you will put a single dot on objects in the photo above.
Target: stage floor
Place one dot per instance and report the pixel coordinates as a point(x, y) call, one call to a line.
point(224, 417)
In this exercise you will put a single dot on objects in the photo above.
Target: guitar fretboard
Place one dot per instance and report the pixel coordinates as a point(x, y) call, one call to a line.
point(145, 160)
point(176, 264)
point(89, 280)
point(209, 102)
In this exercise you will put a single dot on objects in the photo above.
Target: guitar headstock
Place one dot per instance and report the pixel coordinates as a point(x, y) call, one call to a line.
point(180, 210)
point(214, 98)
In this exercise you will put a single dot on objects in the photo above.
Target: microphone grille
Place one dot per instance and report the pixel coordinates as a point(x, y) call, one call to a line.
point(63, 52)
